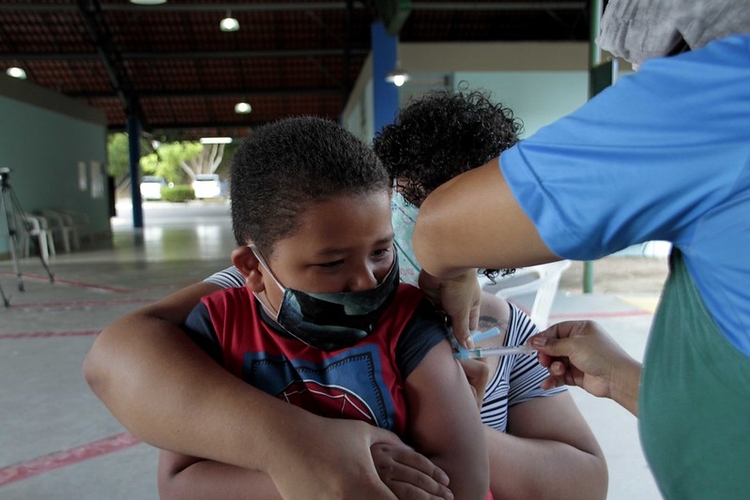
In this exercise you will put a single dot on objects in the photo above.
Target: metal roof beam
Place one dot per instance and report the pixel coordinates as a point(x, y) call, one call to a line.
point(220, 7)
point(191, 127)
point(213, 93)
point(497, 6)
point(225, 54)
point(298, 6)
point(244, 54)
point(93, 19)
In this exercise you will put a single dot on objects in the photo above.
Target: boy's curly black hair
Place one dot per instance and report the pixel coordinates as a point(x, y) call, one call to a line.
point(285, 166)
point(440, 135)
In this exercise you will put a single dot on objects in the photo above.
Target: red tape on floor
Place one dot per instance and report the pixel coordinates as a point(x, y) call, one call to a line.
point(64, 458)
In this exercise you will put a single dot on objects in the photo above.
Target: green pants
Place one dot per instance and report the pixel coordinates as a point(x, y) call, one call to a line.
point(695, 399)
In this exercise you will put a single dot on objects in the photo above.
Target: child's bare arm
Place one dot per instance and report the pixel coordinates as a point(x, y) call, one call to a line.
point(151, 375)
point(444, 422)
point(184, 477)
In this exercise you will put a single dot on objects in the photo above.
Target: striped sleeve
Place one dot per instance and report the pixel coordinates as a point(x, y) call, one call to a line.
point(228, 278)
point(526, 374)
point(517, 378)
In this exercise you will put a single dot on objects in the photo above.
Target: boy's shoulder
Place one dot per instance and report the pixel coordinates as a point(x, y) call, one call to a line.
point(229, 298)
point(409, 292)
point(414, 302)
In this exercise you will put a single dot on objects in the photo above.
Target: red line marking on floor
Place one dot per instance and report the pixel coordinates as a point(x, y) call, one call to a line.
point(94, 286)
point(80, 303)
point(79, 284)
point(33, 335)
point(59, 459)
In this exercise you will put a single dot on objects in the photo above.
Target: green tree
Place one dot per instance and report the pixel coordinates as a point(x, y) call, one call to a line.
point(174, 158)
point(177, 162)
point(118, 154)
point(118, 157)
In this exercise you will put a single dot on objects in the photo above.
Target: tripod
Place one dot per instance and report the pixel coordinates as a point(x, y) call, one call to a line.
point(15, 219)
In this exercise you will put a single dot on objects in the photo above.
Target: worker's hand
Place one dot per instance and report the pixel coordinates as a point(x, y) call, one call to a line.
point(459, 298)
point(581, 353)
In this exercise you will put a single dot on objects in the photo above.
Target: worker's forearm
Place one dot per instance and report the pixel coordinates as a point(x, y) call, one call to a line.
point(626, 381)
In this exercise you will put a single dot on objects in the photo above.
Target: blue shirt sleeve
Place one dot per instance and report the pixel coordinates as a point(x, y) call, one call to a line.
point(424, 331)
point(200, 329)
point(643, 160)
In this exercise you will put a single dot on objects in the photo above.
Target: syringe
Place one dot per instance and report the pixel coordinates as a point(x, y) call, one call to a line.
point(483, 352)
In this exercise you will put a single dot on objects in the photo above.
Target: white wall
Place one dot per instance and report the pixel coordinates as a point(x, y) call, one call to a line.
point(43, 138)
point(536, 97)
point(539, 81)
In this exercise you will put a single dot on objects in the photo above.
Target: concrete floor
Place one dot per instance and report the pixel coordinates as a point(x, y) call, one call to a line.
point(58, 441)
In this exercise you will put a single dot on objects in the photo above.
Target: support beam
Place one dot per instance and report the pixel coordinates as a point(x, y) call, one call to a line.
point(93, 18)
point(385, 94)
point(134, 150)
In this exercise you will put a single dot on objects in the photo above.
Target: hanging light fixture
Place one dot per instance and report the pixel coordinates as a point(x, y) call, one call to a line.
point(16, 72)
point(215, 140)
point(242, 108)
point(148, 2)
point(229, 23)
point(398, 76)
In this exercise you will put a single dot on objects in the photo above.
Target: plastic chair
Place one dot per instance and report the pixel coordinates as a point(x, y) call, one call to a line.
point(542, 280)
point(81, 222)
point(34, 226)
point(62, 225)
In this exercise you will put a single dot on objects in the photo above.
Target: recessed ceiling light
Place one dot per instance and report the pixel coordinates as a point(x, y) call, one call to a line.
point(216, 140)
point(229, 23)
point(148, 2)
point(16, 72)
point(398, 76)
point(242, 108)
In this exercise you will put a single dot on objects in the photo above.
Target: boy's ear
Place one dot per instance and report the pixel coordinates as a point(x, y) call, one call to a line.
point(245, 260)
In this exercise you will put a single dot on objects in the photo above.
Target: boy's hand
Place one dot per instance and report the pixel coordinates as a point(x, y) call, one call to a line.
point(409, 475)
point(339, 451)
point(477, 373)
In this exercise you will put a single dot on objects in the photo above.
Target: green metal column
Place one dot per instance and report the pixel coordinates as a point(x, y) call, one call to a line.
point(595, 57)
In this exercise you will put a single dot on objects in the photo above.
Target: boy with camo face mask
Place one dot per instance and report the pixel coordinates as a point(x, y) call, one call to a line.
point(323, 322)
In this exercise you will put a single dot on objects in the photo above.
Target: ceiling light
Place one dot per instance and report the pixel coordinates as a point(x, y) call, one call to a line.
point(242, 108)
point(229, 23)
point(398, 76)
point(148, 2)
point(216, 140)
point(16, 72)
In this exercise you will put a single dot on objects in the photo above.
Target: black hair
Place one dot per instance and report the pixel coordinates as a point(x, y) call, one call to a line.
point(287, 165)
point(440, 135)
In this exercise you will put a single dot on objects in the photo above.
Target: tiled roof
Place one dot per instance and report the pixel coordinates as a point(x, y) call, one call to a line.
point(172, 66)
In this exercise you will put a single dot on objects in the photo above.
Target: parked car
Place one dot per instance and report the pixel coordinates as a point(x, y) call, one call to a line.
point(207, 186)
point(151, 187)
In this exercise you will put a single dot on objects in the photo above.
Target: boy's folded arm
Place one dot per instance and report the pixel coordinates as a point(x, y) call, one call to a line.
point(213, 408)
point(444, 422)
point(184, 477)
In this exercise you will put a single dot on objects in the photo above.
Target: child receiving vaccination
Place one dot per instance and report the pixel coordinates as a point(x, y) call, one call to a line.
point(323, 322)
